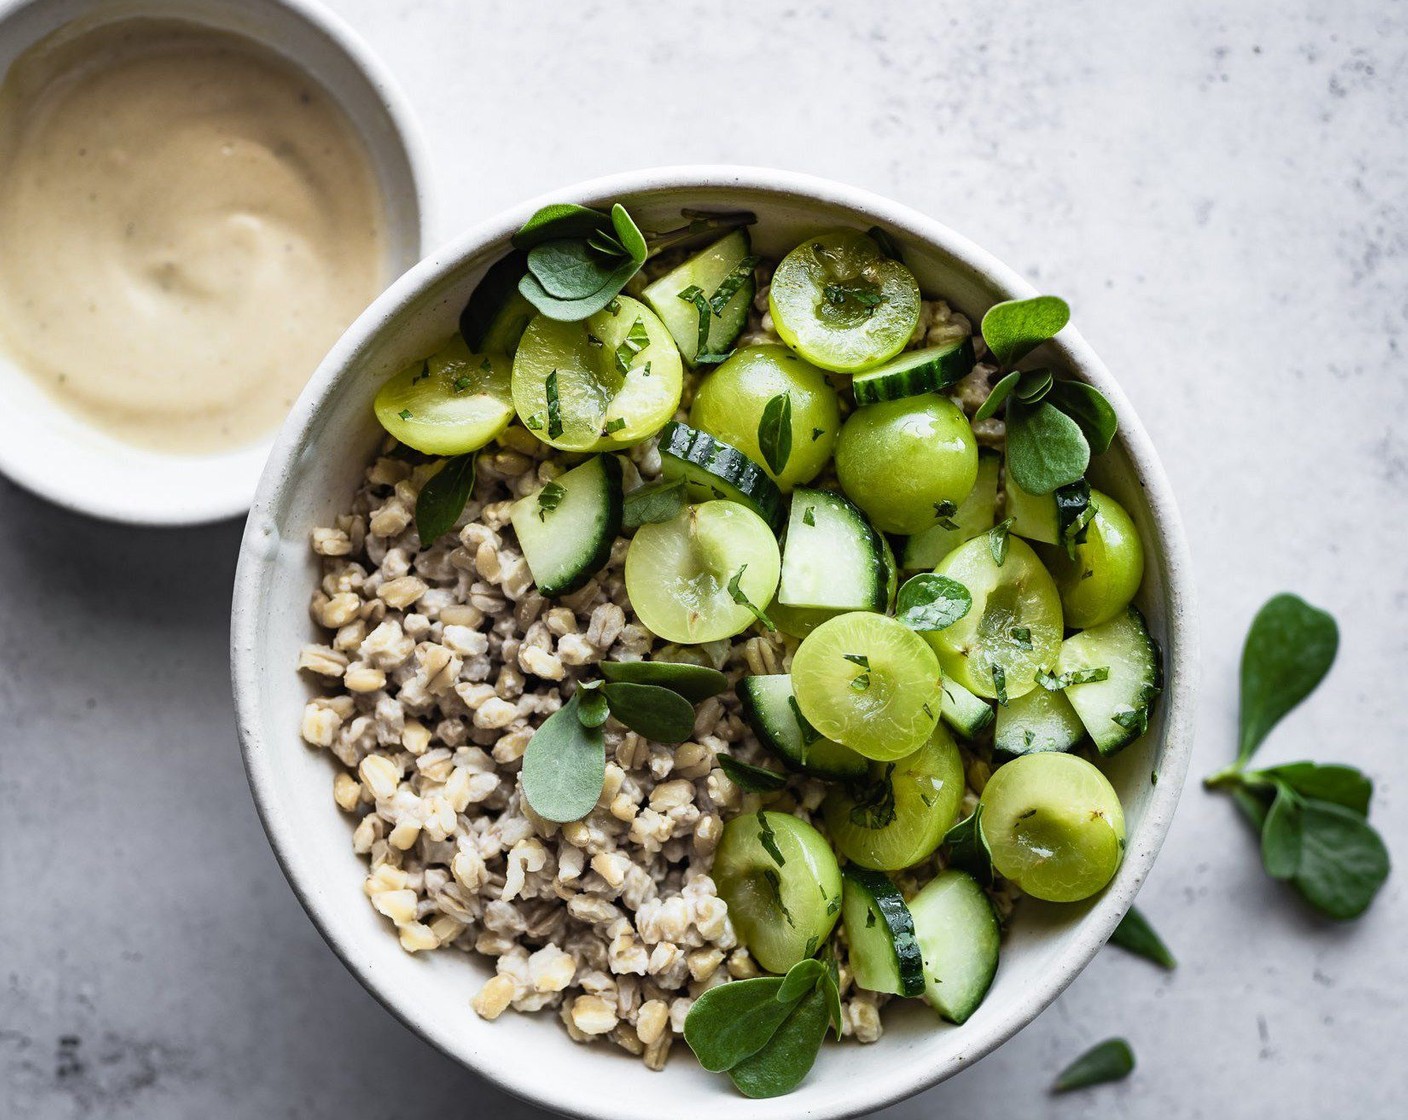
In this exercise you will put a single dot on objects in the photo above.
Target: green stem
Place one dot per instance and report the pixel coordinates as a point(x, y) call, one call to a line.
point(699, 225)
point(1229, 777)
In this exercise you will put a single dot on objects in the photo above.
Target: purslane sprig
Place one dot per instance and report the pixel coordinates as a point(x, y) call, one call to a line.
point(1312, 818)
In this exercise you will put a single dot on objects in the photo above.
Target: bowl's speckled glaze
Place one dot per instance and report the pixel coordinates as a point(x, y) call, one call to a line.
point(312, 472)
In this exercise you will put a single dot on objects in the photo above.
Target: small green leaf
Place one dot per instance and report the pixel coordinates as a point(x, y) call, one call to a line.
point(549, 498)
point(657, 713)
point(775, 432)
point(928, 603)
point(1340, 785)
point(1111, 1060)
point(1281, 834)
point(728, 287)
point(1289, 649)
point(1045, 448)
point(1134, 934)
point(564, 766)
point(558, 221)
point(736, 592)
point(628, 234)
point(695, 294)
point(1087, 406)
point(768, 839)
point(997, 396)
point(732, 1022)
point(784, 1062)
point(750, 778)
point(570, 270)
point(1014, 329)
point(801, 978)
point(554, 406)
point(653, 503)
point(831, 989)
point(1343, 861)
point(693, 682)
point(592, 708)
point(997, 540)
point(968, 847)
point(1034, 384)
point(442, 499)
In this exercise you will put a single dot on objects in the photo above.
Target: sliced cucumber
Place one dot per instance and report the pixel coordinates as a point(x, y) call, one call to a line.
point(712, 469)
point(958, 934)
point(915, 372)
point(1116, 710)
point(833, 559)
point(1047, 518)
point(567, 528)
point(1038, 721)
point(884, 954)
point(725, 262)
point(497, 313)
point(771, 711)
point(965, 713)
point(977, 514)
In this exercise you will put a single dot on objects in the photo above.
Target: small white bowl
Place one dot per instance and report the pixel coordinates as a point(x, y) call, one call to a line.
point(315, 466)
point(54, 453)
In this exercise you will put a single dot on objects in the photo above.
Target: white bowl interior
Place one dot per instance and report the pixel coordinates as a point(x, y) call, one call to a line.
point(58, 455)
point(312, 475)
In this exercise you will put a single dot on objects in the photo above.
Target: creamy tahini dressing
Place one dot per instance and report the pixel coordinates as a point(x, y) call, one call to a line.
point(187, 223)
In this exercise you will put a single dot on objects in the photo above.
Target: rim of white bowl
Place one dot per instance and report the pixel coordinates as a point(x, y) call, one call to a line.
point(1180, 640)
point(135, 507)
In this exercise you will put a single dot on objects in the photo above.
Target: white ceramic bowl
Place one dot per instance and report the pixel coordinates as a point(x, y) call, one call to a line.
point(52, 452)
point(315, 466)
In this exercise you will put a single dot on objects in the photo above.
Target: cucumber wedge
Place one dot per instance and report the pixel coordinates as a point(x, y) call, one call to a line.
point(727, 263)
point(884, 955)
point(965, 713)
point(833, 559)
point(977, 514)
point(1038, 721)
point(915, 372)
point(567, 528)
point(772, 713)
point(1048, 518)
point(1116, 710)
point(958, 935)
point(497, 313)
point(713, 469)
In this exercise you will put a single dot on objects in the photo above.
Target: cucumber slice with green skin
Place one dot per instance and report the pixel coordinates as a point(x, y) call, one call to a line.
point(959, 937)
point(1047, 518)
point(833, 559)
point(900, 814)
point(1103, 575)
point(450, 403)
point(497, 313)
point(915, 372)
point(884, 955)
point(782, 885)
point(838, 301)
point(1038, 721)
point(965, 713)
point(730, 403)
point(1013, 630)
point(567, 528)
point(1115, 711)
point(607, 381)
point(712, 469)
point(706, 270)
point(976, 514)
point(771, 711)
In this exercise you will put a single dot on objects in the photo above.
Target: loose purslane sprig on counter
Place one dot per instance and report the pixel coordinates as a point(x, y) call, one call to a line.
point(1312, 817)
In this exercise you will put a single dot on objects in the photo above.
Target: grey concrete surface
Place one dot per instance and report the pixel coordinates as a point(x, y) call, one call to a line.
point(1219, 189)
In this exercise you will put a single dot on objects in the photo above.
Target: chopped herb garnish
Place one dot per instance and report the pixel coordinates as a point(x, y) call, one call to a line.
point(817, 433)
point(775, 432)
point(997, 540)
point(404, 414)
point(635, 341)
point(726, 290)
point(1021, 637)
point(462, 383)
point(613, 425)
point(774, 880)
point(874, 801)
point(809, 516)
point(549, 498)
point(768, 839)
point(999, 683)
point(735, 590)
point(944, 511)
point(695, 294)
point(554, 407)
point(592, 340)
point(534, 422)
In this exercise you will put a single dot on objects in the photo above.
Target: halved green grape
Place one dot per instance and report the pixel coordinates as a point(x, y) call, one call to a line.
point(729, 404)
point(679, 572)
point(449, 403)
point(782, 886)
point(900, 814)
point(1103, 576)
point(908, 463)
point(841, 303)
point(870, 683)
point(608, 381)
point(1013, 630)
point(1054, 825)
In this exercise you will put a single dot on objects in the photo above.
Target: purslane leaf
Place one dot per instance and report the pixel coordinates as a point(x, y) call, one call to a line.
point(574, 310)
point(442, 499)
point(693, 682)
point(564, 766)
point(1015, 328)
point(1045, 448)
point(784, 1062)
point(750, 778)
point(1135, 935)
point(1281, 834)
point(997, 396)
point(733, 1021)
point(928, 602)
point(1289, 649)
point(653, 503)
point(1111, 1060)
point(801, 978)
point(1343, 861)
point(1087, 406)
point(1340, 785)
point(560, 220)
point(1033, 385)
point(657, 713)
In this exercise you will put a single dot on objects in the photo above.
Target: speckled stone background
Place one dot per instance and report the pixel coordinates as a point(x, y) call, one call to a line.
point(1219, 189)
